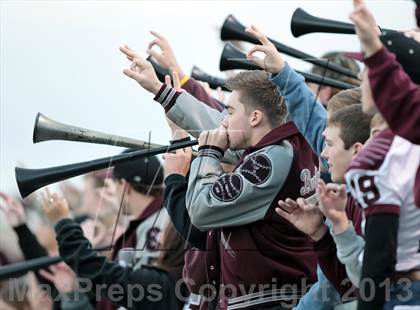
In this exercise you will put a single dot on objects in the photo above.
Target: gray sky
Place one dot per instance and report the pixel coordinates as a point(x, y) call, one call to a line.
point(61, 58)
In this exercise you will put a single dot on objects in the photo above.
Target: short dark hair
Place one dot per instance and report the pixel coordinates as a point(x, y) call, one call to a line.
point(353, 123)
point(256, 91)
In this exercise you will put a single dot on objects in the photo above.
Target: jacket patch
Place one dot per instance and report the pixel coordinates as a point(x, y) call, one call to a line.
point(228, 187)
point(257, 169)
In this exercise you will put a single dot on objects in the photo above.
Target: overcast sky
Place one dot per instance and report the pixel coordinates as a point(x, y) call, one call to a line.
point(61, 58)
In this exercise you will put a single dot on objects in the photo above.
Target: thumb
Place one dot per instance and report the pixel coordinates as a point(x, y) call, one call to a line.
point(131, 74)
point(168, 80)
point(342, 192)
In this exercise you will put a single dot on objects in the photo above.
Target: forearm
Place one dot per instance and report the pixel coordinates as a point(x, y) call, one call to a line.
point(29, 244)
point(334, 270)
point(213, 198)
point(378, 260)
point(198, 91)
point(305, 111)
point(31, 248)
point(349, 248)
point(400, 106)
point(174, 202)
point(187, 112)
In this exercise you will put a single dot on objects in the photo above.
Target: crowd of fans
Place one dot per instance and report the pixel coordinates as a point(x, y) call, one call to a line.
point(300, 195)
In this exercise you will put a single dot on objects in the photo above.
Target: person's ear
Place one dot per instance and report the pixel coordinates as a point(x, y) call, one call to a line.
point(256, 117)
point(357, 148)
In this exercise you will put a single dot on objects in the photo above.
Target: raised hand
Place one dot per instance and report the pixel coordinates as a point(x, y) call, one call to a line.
point(216, 137)
point(14, 210)
point(304, 216)
point(54, 206)
point(272, 61)
point(62, 276)
point(142, 71)
point(178, 163)
point(71, 193)
point(413, 33)
point(333, 199)
point(129, 53)
point(166, 58)
point(95, 232)
point(366, 28)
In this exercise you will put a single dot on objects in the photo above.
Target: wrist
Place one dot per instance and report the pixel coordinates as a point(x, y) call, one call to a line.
point(340, 224)
point(318, 233)
point(179, 71)
point(373, 47)
point(277, 67)
point(211, 151)
point(155, 87)
point(58, 217)
point(17, 224)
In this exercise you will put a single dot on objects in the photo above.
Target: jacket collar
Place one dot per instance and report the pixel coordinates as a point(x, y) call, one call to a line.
point(275, 135)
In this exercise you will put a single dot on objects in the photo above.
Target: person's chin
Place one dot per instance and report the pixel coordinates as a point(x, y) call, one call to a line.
point(337, 179)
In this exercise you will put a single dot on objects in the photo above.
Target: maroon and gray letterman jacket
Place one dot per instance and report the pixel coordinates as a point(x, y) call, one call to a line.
point(259, 251)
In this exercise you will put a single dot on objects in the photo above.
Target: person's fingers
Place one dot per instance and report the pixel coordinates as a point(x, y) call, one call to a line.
point(157, 35)
point(357, 3)
point(52, 269)
point(156, 55)
point(188, 151)
point(44, 198)
point(133, 66)
point(258, 61)
point(291, 202)
point(140, 62)
point(332, 188)
point(304, 205)
point(285, 206)
point(321, 187)
point(47, 192)
point(258, 34)
point(55, 196)
point(342, 194)
point(168, 81)
point(153, 43)
point(284, 214)
point(202, 139)
point(131, 74)
point(175, 77)
point(5, 197)
point(167, 156)
point(128, 52)
point(301, 203)
point(258, 48)
point(46, 275)
point(62, 266)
